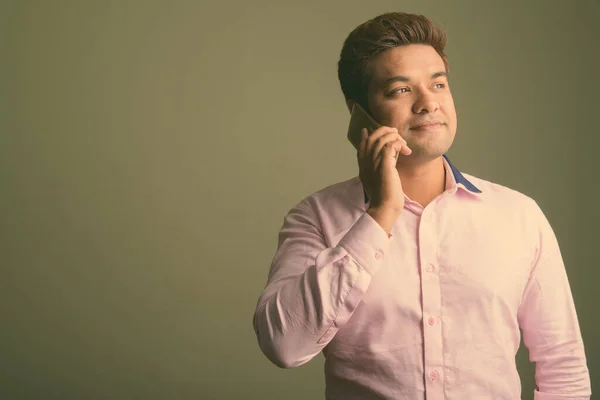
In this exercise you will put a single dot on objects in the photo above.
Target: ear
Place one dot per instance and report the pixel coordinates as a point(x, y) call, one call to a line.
point(350, 104)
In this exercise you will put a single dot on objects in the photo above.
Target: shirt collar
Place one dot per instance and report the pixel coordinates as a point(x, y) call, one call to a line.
point(458, 177)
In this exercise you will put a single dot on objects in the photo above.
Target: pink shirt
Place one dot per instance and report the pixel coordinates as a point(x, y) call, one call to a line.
point(435, 309)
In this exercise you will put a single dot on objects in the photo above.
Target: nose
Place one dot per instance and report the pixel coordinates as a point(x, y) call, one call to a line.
point(425, 103)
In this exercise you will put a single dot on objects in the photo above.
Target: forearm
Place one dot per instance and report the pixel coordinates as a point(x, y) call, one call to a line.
point(295, 320)
point(302, 308)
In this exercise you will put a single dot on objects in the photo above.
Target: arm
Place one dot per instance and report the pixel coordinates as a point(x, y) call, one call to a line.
point(312, 289)
point(550, 326)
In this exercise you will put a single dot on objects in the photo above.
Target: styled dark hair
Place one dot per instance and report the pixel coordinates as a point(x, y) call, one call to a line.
point(376, 35)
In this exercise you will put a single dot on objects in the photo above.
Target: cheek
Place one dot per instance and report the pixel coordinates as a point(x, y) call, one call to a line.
point(400, 114)
point(449, 105)
point(449, 112)
point(393, 116)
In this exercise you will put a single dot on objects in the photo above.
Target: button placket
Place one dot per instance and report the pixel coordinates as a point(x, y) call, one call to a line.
point(431, 307)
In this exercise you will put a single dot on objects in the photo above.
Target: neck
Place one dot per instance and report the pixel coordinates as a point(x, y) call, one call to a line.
point(423, 182)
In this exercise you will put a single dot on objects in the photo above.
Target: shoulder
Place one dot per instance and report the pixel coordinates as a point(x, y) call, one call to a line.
point(508, 203)
point(345, 191)
point(501, 195)
point(341, 199)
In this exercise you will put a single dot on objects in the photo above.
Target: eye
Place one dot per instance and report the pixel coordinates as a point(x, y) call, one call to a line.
point(439, 85)
point(400, 90)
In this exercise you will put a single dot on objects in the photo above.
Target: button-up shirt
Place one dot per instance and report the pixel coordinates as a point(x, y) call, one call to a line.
point(433, 310)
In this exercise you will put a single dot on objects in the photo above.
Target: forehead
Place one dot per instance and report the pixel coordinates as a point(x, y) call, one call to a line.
point(414, 61)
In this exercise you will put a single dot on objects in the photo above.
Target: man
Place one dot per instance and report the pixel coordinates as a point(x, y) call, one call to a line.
point(414, 278)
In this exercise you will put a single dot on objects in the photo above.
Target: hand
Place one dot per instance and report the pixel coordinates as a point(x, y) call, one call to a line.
point(377, 157)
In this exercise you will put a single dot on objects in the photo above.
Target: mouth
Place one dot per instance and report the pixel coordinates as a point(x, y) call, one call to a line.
point(426, 126)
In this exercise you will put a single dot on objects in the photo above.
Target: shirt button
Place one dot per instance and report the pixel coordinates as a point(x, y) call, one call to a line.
point(430, 268)
point(431, 320)
point(434, 375)
point(379, 255)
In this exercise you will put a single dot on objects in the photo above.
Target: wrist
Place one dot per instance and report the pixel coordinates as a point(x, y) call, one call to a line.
point(384, 211)
point(385, 217)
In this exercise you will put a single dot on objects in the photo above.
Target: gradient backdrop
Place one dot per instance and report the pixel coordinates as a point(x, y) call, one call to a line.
point(149, 151)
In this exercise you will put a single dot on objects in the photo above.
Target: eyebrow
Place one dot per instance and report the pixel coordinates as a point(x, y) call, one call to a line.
point(402, 78)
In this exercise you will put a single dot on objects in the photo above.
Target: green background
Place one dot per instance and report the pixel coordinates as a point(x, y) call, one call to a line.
point(149, 151)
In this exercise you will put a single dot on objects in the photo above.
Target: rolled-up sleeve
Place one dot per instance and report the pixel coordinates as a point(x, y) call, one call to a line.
point(549, 322)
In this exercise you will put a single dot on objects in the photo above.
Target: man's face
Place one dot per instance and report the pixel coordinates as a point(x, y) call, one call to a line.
point(409, 90)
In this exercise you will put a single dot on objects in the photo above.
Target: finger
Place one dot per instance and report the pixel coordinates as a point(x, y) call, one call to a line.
point(385, 155)
point(364, 134)
point(390, 137)
point(401, 147)
point(405, 149)
point(375, 137)
point(377, 144)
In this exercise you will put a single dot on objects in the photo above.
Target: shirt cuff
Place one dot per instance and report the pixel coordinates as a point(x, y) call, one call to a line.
point(367, 243)
point(537, 395)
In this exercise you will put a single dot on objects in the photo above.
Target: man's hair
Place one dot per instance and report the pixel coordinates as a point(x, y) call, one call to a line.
point(376, 35)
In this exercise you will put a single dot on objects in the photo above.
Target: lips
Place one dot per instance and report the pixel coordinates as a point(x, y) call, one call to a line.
point(427, 125)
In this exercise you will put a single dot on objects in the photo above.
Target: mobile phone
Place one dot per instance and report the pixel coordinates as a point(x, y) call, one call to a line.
point(359, 119)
